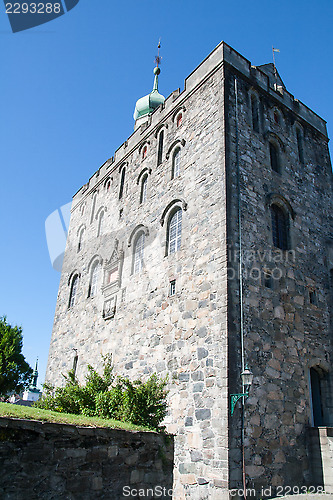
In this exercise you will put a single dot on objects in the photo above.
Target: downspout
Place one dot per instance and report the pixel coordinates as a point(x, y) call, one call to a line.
point(240, 284)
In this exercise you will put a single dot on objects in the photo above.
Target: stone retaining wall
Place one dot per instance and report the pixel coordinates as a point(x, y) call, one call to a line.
point(55, 461)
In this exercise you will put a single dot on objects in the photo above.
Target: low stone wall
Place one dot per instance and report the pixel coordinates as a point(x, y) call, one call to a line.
point(55, 461)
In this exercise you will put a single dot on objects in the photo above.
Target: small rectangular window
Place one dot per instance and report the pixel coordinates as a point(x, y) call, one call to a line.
point(274, 157)
point(75, 360)
point(313, 297)
point(300, 146)
point(172, 288)
point(268, 280)
point(255, 114)
point(160, 148)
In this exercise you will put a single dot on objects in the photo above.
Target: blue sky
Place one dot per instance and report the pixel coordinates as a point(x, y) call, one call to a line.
point(68, 90)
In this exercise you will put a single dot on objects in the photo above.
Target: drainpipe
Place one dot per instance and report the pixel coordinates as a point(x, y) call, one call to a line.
point(240, 283)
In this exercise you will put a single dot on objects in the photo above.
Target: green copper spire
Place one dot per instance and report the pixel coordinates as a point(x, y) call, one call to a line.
point(35, 376)
point(157, 71)
point(148, 103)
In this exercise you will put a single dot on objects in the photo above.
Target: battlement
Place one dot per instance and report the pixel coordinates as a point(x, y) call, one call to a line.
point(239, 65)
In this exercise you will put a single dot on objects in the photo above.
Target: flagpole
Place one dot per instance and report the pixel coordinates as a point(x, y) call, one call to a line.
point(275, 72)
point(274, 59)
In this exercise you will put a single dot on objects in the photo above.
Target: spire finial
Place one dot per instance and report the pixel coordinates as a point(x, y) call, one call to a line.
point(158, 58)
point(157, 70)
point(147, 104)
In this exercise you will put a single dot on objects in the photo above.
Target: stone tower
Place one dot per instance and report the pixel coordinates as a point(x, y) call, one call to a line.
point(202, 248)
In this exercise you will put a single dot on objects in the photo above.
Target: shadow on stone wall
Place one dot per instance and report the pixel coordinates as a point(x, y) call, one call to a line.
point(321, 456)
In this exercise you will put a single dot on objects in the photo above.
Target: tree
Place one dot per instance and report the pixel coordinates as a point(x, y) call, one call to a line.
point(15, 373)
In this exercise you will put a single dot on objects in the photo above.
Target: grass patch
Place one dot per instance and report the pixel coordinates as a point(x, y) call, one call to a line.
point(30, 413)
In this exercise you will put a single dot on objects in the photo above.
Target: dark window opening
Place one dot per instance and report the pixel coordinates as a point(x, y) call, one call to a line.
point(80, 244)
point(313, 297)
point(274, 157)
point(122, 183)
point(255, 114)
point(75, 360)
point(160, 148)
point(144, 187)
point(172, 288)
point(144, 152)
point(280, 228)
point(300, 146)
point(268, 280)
point(179, 119)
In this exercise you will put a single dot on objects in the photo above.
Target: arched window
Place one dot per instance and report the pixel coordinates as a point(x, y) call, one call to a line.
point(138, 252)
point(144, 187)
point(100, 223)
point(74, 287)
point(93, 207)
point(122, 182)
point(107, 185)
point(300, 145)
point(174, 232)
point(160, 148)
point(274, 157)
point(144, 152)
point(176, 164)
point(93, 286)
point(280, 227)
point(81, 238)
point(179, 119)
point(255, 113)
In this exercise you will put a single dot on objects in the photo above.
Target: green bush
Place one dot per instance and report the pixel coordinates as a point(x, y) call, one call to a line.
point(141, 403)
point(144, 403)
point(109, 404)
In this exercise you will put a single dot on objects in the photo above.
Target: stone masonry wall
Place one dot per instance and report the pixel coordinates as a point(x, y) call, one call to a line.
point(285, 334)
point(44, 460)
point(193, 335)
point(183, 336)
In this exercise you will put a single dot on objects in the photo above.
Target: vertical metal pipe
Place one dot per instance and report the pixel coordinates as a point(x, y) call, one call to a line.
point(240, 283)
point(239, 232)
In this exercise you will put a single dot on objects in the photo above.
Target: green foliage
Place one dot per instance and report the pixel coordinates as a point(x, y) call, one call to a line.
point(144, 403)
point(15, 373)
point(140, 403)
point(110, 404)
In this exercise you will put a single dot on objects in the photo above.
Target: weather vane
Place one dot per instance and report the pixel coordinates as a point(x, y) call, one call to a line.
point(158, 58)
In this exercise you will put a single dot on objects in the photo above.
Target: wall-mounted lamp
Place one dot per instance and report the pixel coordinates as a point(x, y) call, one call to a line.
point(247, 378)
